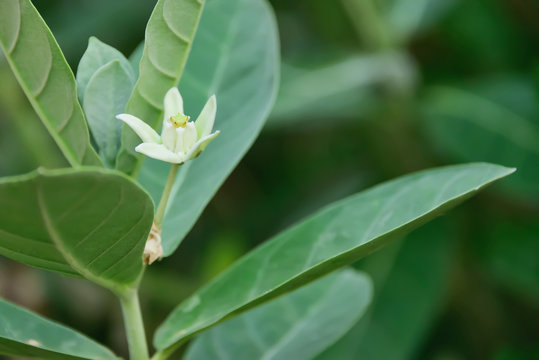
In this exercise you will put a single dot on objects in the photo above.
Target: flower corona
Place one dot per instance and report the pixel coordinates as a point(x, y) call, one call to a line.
point(181, 139)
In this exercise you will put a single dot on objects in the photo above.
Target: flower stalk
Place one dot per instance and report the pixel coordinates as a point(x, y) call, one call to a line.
point(153, 250)
point(180, 140)
point(160, 213)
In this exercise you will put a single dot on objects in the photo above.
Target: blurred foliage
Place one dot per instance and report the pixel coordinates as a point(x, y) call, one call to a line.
point(362, 99)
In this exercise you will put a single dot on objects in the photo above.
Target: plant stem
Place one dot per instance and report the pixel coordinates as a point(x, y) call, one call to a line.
point(134, 327)
point(166, 193)
point(368, 23)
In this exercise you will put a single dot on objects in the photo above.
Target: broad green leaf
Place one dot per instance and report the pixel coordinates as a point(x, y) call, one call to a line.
point(105, 97)
point(478, 125)
point(244, 75)
point(335, 236)
point(343, 88)
point(296, 326)
point(407, 298)
point(24, 137)
point(45, 77)
point(169, 35)
point(90, 222)
point(23, 333)
point(97, 55)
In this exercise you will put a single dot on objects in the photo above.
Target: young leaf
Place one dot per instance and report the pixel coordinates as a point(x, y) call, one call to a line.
point(169, 35)
point(135, 57)
point(244, 78)
point(335, 236)
point(89, 222)
point(45, 77)
point(97, 55)
point(407, 299)
point(105, 97)
point(296, 326)
point(23, 333)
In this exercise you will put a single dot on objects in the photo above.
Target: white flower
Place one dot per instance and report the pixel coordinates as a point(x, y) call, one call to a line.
point(181, 140)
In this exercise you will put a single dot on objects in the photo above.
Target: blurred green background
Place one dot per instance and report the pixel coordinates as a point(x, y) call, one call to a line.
point(370, 90)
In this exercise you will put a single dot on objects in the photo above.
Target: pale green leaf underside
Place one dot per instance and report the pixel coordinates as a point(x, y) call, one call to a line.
point(335, 236)
point(97, 55)
point(135, 57)
point(169, 35)
point(45, 77)
point(19, 327)
point(235, 56)
point(91, 222)
point(296, 326)
point(105, 97)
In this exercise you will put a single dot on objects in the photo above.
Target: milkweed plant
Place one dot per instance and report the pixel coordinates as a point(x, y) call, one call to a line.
point(121, 125)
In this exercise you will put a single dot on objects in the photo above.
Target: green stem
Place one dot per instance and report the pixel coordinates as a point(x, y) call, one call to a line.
point(369, 24)
point(134, 327)
point(166, 193)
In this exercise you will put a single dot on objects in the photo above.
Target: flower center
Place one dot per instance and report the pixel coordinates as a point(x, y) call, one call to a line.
point(179, 120)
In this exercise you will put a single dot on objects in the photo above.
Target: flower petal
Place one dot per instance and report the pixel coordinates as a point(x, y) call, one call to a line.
point(200, 146)
point(189, 137)
point(204, 122)
point(143, 130)
point(178, 145)
point(169, 135)
point(173, 104)
point(159, 152)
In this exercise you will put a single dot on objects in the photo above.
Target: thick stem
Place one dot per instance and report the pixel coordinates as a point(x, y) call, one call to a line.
point(134, 327)
point(166, 193)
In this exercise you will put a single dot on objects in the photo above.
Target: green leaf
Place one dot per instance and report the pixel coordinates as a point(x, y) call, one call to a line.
point(90, 222)
point(478, 125)
point(45, 77)
point(296, 326)
point(97, 55)
point(23, 333)
point(106, 96)
point(343, 88)
point(335, 236)
point(407, 298)
point(244, 78)
point(135, 57)
point(169, 35)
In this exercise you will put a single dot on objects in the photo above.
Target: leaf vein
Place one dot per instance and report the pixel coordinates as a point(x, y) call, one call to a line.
point(106, 250)
point(102, 222)
point(17, 32)
point(162, 70)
